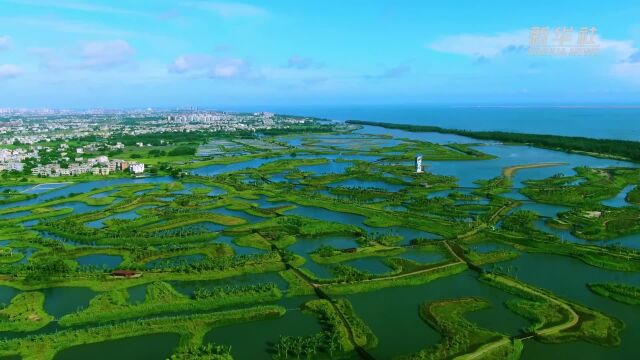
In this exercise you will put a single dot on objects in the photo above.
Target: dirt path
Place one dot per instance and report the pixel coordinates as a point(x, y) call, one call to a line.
point(511, 170)
point(484, 349)
point(574, 318)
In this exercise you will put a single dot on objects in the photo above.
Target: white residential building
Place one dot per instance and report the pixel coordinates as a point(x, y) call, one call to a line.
point(136, 168)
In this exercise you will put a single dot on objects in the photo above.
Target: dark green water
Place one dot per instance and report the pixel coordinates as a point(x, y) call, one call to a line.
point(254, 340)
point(393, 316)
point(567, 278)
point(60, 301)
point(147, 347)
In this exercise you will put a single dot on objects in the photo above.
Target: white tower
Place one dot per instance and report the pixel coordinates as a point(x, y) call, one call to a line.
point(419, 164)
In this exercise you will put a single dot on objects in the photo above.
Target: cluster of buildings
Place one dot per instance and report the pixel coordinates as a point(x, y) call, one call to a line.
point(100, 165)
point(46, 125)
point(11, 159)
point(31, 131)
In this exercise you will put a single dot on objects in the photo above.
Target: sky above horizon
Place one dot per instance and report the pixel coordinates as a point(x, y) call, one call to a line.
point(79, 54)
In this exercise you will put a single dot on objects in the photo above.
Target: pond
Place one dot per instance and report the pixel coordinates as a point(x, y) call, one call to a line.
point(59, 301)
point(392, 313)
point(127, 215)
point(100, 260)
point(79, 207)
point(146, 347)
point(254, 340)
point(567, 278)
point(237, 249)
point(620, 199)
point(81, 188)
point(358, 220)
point(422, 256)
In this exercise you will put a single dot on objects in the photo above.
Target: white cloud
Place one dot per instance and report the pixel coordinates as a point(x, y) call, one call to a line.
point(8, 71)
point(106, 54)
point(621, 49)
point(231, 9)
point(626, 57)
point(621, 57)
point(482, 46)
point(188, 63)
point(5, 42)
point(208, 66)
point(230, 68)
point(90, 55)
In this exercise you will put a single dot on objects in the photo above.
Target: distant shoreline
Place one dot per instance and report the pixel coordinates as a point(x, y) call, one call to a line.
point(608, 148)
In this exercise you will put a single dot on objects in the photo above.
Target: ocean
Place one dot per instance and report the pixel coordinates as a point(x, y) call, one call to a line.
point(594, 122)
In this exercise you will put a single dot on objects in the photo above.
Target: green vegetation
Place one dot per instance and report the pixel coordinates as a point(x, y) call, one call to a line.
point(331, 214)
point(190, 327)
point(362, 334)
point(416, 278)
point(162, 298)
point(600, 222)
point(588, 186)
point(619, 292)
point(633, 196)
point(297, 285)
point(25, 313)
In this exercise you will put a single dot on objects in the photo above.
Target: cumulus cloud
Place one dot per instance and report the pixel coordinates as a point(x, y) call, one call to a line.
point(8, 71)
point(231, 9)
point(209, 66)
point(88, 56)
point(188, 63)
point(5, 42)
point(105, 54)
point(299, 62)
point(626, 57)
point(230, 68)
point(482, 46)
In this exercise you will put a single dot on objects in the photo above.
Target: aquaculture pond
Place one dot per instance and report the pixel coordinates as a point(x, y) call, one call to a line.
point(127, 215)
point(146, 347)
point(60, 301)
point(393, 316)
point(100, 260)
point(358, 220)
point(298, 259)
point(255, 340)
point(567, 277)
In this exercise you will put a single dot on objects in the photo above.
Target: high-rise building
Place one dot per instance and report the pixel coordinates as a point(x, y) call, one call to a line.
point(419, 164)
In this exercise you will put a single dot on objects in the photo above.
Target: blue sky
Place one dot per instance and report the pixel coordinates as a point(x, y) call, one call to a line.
point(79, 54)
